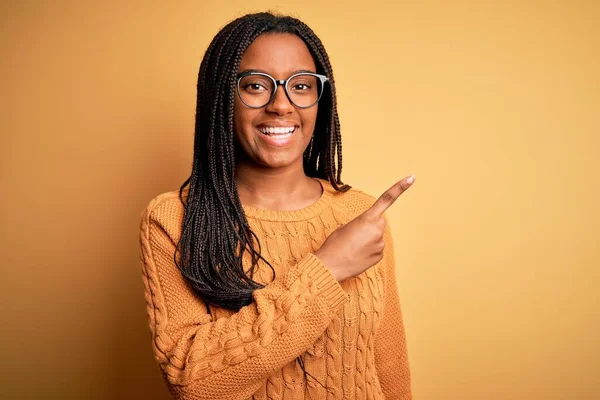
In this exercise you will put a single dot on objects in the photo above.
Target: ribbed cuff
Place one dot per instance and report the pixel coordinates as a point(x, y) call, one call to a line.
point(328, 287)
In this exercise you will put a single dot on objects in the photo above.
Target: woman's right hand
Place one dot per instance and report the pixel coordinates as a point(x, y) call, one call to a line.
point(355, 247)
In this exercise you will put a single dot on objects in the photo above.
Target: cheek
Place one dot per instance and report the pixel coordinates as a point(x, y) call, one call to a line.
point(238, 117)
point(309, 119)
point(242, 119)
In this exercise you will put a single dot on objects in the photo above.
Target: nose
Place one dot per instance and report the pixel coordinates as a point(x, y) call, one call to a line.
point(280, 104)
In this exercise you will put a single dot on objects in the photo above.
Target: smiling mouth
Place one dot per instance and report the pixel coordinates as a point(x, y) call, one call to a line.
point(277, 131)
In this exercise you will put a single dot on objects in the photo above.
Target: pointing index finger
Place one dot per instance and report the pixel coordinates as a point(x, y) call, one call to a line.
point(390, 196)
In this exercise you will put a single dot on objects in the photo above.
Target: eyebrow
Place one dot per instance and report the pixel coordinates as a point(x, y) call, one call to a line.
point(265, 72)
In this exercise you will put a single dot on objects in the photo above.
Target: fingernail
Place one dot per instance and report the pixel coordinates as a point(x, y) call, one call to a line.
point(410, 179)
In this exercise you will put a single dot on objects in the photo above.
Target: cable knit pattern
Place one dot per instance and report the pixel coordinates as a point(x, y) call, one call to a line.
point(350, 334)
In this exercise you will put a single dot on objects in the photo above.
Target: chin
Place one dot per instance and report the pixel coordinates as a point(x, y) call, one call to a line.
point(279, 160)
point(277, 163)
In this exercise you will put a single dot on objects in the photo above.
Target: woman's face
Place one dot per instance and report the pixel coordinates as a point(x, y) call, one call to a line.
point(279, 55)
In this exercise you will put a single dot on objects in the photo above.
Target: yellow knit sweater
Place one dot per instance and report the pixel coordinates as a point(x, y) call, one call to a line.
point(350, 334)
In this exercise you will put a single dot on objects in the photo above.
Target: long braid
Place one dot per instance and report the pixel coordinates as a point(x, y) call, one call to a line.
point(334, 144)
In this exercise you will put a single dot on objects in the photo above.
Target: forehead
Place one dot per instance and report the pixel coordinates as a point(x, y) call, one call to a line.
point(278, 54)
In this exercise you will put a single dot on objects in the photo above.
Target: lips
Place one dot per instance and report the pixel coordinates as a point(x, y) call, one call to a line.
point(277, 136)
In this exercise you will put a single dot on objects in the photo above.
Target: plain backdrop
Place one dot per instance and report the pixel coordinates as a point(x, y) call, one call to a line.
point(493, 105)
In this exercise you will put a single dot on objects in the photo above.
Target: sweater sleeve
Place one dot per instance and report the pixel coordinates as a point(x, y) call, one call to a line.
point(230, 357)
point(391, 356)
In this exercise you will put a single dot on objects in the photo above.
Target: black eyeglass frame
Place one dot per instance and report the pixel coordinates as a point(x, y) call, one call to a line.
point(280, 82)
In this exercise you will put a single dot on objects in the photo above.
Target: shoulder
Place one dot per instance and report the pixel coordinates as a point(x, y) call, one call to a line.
point(165, 212)
point(355, 201)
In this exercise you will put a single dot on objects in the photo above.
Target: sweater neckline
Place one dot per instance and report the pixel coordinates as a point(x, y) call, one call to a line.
point(302, 214)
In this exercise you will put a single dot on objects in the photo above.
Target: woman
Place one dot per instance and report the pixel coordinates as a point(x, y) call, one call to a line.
point(265, 276)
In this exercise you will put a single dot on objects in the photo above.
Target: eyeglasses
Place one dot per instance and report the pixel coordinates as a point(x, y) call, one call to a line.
point(257, 89)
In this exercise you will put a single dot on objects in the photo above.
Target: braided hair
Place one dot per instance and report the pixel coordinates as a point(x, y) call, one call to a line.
point(215, 231)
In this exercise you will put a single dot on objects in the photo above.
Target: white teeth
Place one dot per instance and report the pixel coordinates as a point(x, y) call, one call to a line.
point(277, 130)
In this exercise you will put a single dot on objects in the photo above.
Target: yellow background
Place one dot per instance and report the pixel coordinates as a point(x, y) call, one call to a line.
point(493, 105)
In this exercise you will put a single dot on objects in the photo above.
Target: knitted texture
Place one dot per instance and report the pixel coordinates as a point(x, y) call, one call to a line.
point(350, 334)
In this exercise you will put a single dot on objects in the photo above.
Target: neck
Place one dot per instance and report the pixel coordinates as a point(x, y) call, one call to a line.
point(276, 188)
